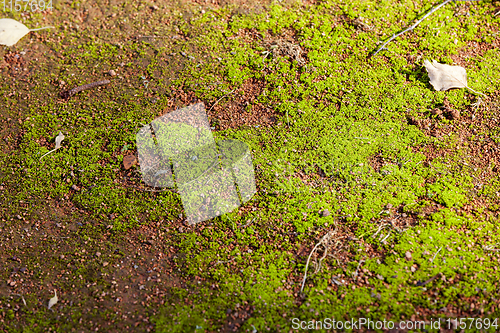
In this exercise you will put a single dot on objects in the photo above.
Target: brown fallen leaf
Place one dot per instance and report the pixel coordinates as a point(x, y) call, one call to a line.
point(129, 161)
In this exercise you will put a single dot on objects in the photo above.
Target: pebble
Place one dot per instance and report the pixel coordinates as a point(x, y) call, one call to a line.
point(129, 161)
point(98, 254)
point(408, 255)
point(112, 72)
point(455, 114)
point(104, 264)
point(74, 187)
point(325, 213)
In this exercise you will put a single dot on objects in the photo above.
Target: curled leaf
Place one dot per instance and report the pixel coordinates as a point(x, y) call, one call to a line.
point(53, 300)
point(59, 139)
point(443, 77)
point(11, 31)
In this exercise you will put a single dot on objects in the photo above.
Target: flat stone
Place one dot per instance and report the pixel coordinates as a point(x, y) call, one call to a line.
point(129, 161)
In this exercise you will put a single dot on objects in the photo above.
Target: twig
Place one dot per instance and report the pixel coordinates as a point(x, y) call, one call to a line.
point(338, 283)
point(24, 302)
point(386, 237)
point(223, 262)
point(246, 225)
point(221, 98)
point(413, 26)
point(436, 254)
point(324, 241)
point(68, 94)
point(420, 284)
point(357, 269)
point(379, 228)
point(490, 248)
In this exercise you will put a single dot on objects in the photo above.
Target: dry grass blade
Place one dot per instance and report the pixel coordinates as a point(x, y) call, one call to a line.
point(326, 242)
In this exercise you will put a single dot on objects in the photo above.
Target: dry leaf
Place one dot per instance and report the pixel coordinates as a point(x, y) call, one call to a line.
point(53, 300)
point(443, 77)
point(129, 161)
point(11, 31)
point(59, 139)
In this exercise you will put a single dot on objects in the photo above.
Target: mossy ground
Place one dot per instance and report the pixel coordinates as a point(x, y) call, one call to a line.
point(412, 196)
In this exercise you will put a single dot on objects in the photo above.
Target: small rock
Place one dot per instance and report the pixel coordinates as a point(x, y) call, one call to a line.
point(437, 112)
point(380, 277)
point(75, 188)
point(129, 161)
point(62, 83)
point(112, 73)
point(62, 256)
point(454, 114)
point(141, 287)
point(408, 255)
point(388, 206)
point(413, 269)
point(122, 64)
point(104, 264)
point(325, 213)
point(98, 254)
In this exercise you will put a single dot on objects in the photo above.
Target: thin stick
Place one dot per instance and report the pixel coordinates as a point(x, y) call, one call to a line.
point(413, 26)
point(221, 98)
point(386, 237)
point(436, 254)
point(357, 269)
point(68, 94)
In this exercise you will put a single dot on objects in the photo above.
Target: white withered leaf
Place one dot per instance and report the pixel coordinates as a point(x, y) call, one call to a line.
point(53, 300)
point(443, 77)
point(11, 31)
point(59, 139)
